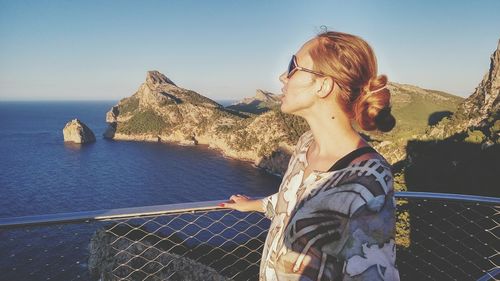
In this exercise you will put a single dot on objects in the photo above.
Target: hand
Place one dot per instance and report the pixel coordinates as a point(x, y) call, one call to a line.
point(241, 203)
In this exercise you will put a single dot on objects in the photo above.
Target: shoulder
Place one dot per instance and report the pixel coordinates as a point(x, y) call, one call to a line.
point(372, 182)
point(372, 171)
point(366, 183)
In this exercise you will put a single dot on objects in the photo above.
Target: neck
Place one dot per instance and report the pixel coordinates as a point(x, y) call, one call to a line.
point(332, 137)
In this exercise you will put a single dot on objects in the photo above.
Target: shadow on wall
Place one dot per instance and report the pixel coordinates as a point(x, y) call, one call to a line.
point(452, 166)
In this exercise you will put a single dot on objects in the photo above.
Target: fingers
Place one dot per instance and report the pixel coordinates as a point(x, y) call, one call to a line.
point(238, 196)
point(224, 205)
point(227, 204)
point(233, 200)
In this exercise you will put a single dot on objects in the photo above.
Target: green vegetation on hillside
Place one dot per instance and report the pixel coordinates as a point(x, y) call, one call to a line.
point(294, 125)
point(243, 140)
point(195, 98)
point(255, 107)
point(267, 149)
point(143, 122)
point(414, 117)
point(128, 105)
point(224, 129)
point(475, 136)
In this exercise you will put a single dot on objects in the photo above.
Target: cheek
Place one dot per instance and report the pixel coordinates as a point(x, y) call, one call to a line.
point(299, 83)
point(297, 89)
point(296, 100)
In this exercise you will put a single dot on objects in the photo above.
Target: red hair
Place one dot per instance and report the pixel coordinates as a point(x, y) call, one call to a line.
point(353, 65)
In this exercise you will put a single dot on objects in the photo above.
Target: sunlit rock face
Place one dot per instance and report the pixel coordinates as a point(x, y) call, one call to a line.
point(161, 111)
point(113, 257)
point(77, 132)
point(484, 102)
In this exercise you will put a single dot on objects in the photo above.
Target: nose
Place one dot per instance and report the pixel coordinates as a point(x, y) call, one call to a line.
point(283, 77)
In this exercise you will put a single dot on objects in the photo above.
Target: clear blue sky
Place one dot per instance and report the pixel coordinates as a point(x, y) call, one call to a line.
point(101, 50)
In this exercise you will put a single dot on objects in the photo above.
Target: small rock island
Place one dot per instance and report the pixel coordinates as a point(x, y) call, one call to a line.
point(77, 132)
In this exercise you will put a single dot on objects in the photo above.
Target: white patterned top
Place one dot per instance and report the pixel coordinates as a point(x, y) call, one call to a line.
point(335, 225)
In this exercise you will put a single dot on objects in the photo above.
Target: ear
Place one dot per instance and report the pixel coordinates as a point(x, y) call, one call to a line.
point(326, 86)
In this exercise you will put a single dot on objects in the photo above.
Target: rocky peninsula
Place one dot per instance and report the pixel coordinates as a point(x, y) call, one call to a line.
point(160, 111)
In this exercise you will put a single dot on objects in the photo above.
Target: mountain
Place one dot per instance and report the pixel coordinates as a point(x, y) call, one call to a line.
point(162, 111)
point(415, 107)
point(253, 129)
point(256, 130)
point(461, 153)
point(262, 101)
point(480, 111)
point(484, 102)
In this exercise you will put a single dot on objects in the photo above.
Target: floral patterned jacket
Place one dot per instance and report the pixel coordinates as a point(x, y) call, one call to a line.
point(335, 225)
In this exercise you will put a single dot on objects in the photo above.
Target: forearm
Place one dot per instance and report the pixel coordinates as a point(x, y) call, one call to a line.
point(244, 204)
point(251, 205)
point(256, 205)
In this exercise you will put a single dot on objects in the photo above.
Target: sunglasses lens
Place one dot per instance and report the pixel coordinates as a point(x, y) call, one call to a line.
point(291, 66)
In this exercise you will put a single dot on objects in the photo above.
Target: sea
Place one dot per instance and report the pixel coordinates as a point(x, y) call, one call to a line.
point(41, 174)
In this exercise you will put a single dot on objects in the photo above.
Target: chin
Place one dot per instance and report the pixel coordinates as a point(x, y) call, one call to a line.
point(284, 108)
point(294, 109)
point(288, 110)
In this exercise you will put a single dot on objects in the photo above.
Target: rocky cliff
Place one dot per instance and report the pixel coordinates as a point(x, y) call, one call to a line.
point(461, 153)
point(124, 256)
point(415, 109)
point(77, 132)
point(162, 111)
point(262, 101)
point(427, 115)
point(484, 102)
point(479, 112)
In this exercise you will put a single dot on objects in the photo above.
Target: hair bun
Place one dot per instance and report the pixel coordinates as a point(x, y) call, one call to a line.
point(384, 120)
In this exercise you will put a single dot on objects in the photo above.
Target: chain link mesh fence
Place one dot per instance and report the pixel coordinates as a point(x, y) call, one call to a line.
point(450, 240)
point(438, 239)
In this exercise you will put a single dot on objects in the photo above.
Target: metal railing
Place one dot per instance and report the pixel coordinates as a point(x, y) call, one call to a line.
point(439, 237)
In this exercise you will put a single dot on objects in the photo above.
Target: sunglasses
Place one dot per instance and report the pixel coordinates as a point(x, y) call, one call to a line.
point(294, 67)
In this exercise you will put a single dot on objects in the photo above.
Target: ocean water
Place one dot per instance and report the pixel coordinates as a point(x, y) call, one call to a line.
point(40, 174)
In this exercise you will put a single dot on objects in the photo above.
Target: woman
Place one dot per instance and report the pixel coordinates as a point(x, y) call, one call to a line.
point(332, 222)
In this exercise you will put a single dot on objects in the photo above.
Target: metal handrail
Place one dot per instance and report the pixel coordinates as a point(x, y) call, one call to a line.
point(155, 210)
point(102, 215)
point(447, 196)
